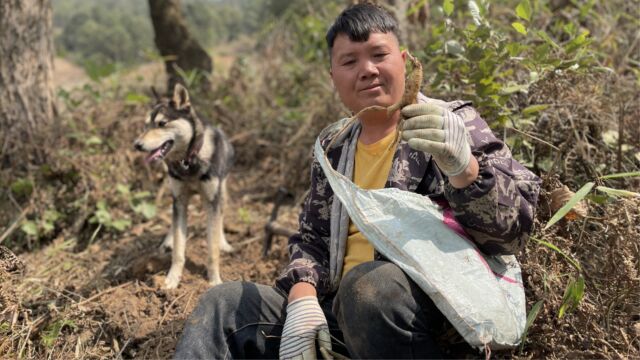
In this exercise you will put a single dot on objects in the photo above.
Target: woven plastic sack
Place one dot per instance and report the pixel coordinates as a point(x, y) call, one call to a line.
point(481, 296)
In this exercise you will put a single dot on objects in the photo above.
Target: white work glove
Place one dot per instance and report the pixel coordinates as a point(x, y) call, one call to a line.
point(439, 132)
point(305, 321)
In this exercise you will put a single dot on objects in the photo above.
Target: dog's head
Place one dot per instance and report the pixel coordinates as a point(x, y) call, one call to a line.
point(169, 128)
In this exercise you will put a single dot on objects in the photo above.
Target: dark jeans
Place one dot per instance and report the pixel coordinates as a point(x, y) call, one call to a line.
point(378, 312)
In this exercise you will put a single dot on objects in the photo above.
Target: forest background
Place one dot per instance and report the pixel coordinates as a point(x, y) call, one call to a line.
point(557, 80)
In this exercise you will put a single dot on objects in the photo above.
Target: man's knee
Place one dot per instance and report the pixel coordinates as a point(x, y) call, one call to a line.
point(212, 304)
point(366, 288)
point(205, 330)
point(371, 283)
point(223, 295)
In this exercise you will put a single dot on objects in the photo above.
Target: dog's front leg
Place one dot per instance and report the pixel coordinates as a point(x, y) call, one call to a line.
point(224, 244)
point(167, 244)
point(179, 227)
point(214, 226)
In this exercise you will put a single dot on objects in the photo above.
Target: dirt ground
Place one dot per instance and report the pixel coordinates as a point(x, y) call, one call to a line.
point(114, 287)
point(103, 296)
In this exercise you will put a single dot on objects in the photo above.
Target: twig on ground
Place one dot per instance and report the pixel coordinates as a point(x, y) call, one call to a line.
point(102, 293)
point(169, 309)
point(99, 335)
point(14, 225)
point(13, 201)
point(36, 323)
point(59, 293)
point(188, 302)
point(534, 138)
point(157, 349)
point(621, 114)
point(126, 319)
point(123, 347)
point(250, 240)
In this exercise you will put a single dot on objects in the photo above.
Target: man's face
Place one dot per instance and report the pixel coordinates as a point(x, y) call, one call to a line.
point(368, 73)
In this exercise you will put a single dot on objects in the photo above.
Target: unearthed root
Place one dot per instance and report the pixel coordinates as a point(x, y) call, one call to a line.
point(411, 89)
point(411, 86)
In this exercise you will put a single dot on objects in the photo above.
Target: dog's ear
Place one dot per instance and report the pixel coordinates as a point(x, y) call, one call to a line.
point(156, 96)
point(181, 98)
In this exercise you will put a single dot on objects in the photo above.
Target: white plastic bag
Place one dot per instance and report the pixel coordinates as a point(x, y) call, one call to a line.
point(482, 297)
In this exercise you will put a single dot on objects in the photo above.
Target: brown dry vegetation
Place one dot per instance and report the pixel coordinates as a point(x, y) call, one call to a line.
point(89, 291)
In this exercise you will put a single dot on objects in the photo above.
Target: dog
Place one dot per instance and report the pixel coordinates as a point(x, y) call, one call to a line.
point(198, 158)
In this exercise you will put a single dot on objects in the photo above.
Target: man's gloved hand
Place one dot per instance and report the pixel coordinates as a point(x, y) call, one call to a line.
point(304, 323)
point(439, 132)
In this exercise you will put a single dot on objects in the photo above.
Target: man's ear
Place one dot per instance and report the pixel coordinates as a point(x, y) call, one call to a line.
point(403, 53)
point(181, 98)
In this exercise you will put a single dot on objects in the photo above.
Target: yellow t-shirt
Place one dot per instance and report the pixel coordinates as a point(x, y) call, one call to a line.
point(371, 170)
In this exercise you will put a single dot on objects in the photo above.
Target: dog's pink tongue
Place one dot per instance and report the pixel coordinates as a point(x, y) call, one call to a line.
point(153, 155)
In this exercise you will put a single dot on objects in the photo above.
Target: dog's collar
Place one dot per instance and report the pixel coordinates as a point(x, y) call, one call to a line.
point(192, 152)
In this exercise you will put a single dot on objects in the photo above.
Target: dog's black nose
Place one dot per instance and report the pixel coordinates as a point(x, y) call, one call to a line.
point(137, 146)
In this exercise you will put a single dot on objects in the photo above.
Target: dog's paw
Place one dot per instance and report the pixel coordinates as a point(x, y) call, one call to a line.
point(226, 247)
point(172, 281)
point(215, 281)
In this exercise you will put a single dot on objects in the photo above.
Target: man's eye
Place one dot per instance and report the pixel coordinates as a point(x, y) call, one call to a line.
point(380, 55)
point(348, 62)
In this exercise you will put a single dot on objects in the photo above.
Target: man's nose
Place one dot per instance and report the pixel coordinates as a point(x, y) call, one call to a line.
point(368, 69)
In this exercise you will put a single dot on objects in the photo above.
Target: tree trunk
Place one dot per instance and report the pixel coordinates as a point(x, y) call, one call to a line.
point(26, 79)
point(179, 49)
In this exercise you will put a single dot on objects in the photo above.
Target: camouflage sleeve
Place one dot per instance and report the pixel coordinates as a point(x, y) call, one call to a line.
point(309, 249)
point(497, 209)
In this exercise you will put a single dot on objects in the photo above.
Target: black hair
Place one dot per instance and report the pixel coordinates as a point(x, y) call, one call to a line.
point(359, 21)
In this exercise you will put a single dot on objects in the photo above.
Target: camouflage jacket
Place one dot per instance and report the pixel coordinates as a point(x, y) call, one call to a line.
point(496, 210)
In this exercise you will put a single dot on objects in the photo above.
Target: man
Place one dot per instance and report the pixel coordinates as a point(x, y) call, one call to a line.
point(335, 280)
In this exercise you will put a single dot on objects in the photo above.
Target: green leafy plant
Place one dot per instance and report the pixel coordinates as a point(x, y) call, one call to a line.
point(5, 328)
point(136, 98)
point(531, 317)
point(192, 78)
point(574, 291)
point(102, 216)
point(22, 188)
point(580, 194)
point(42, 226)
point(51, 333)
point(244, 216)
point(484, 62)
point(98, 70)
point(586, 189)
point(70, 101)
point(573, 295)
point(138, 201)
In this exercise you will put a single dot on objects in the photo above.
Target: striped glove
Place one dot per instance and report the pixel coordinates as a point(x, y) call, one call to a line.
point(305, 321)
point(439, 132)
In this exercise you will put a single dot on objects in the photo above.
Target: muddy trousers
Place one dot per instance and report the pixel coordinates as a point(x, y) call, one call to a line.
point(378, 312)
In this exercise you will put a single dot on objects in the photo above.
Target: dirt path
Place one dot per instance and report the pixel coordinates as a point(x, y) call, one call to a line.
point(68, 75)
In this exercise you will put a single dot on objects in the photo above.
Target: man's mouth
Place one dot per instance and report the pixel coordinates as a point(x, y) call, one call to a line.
point(371, 87)
point(160, 152)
